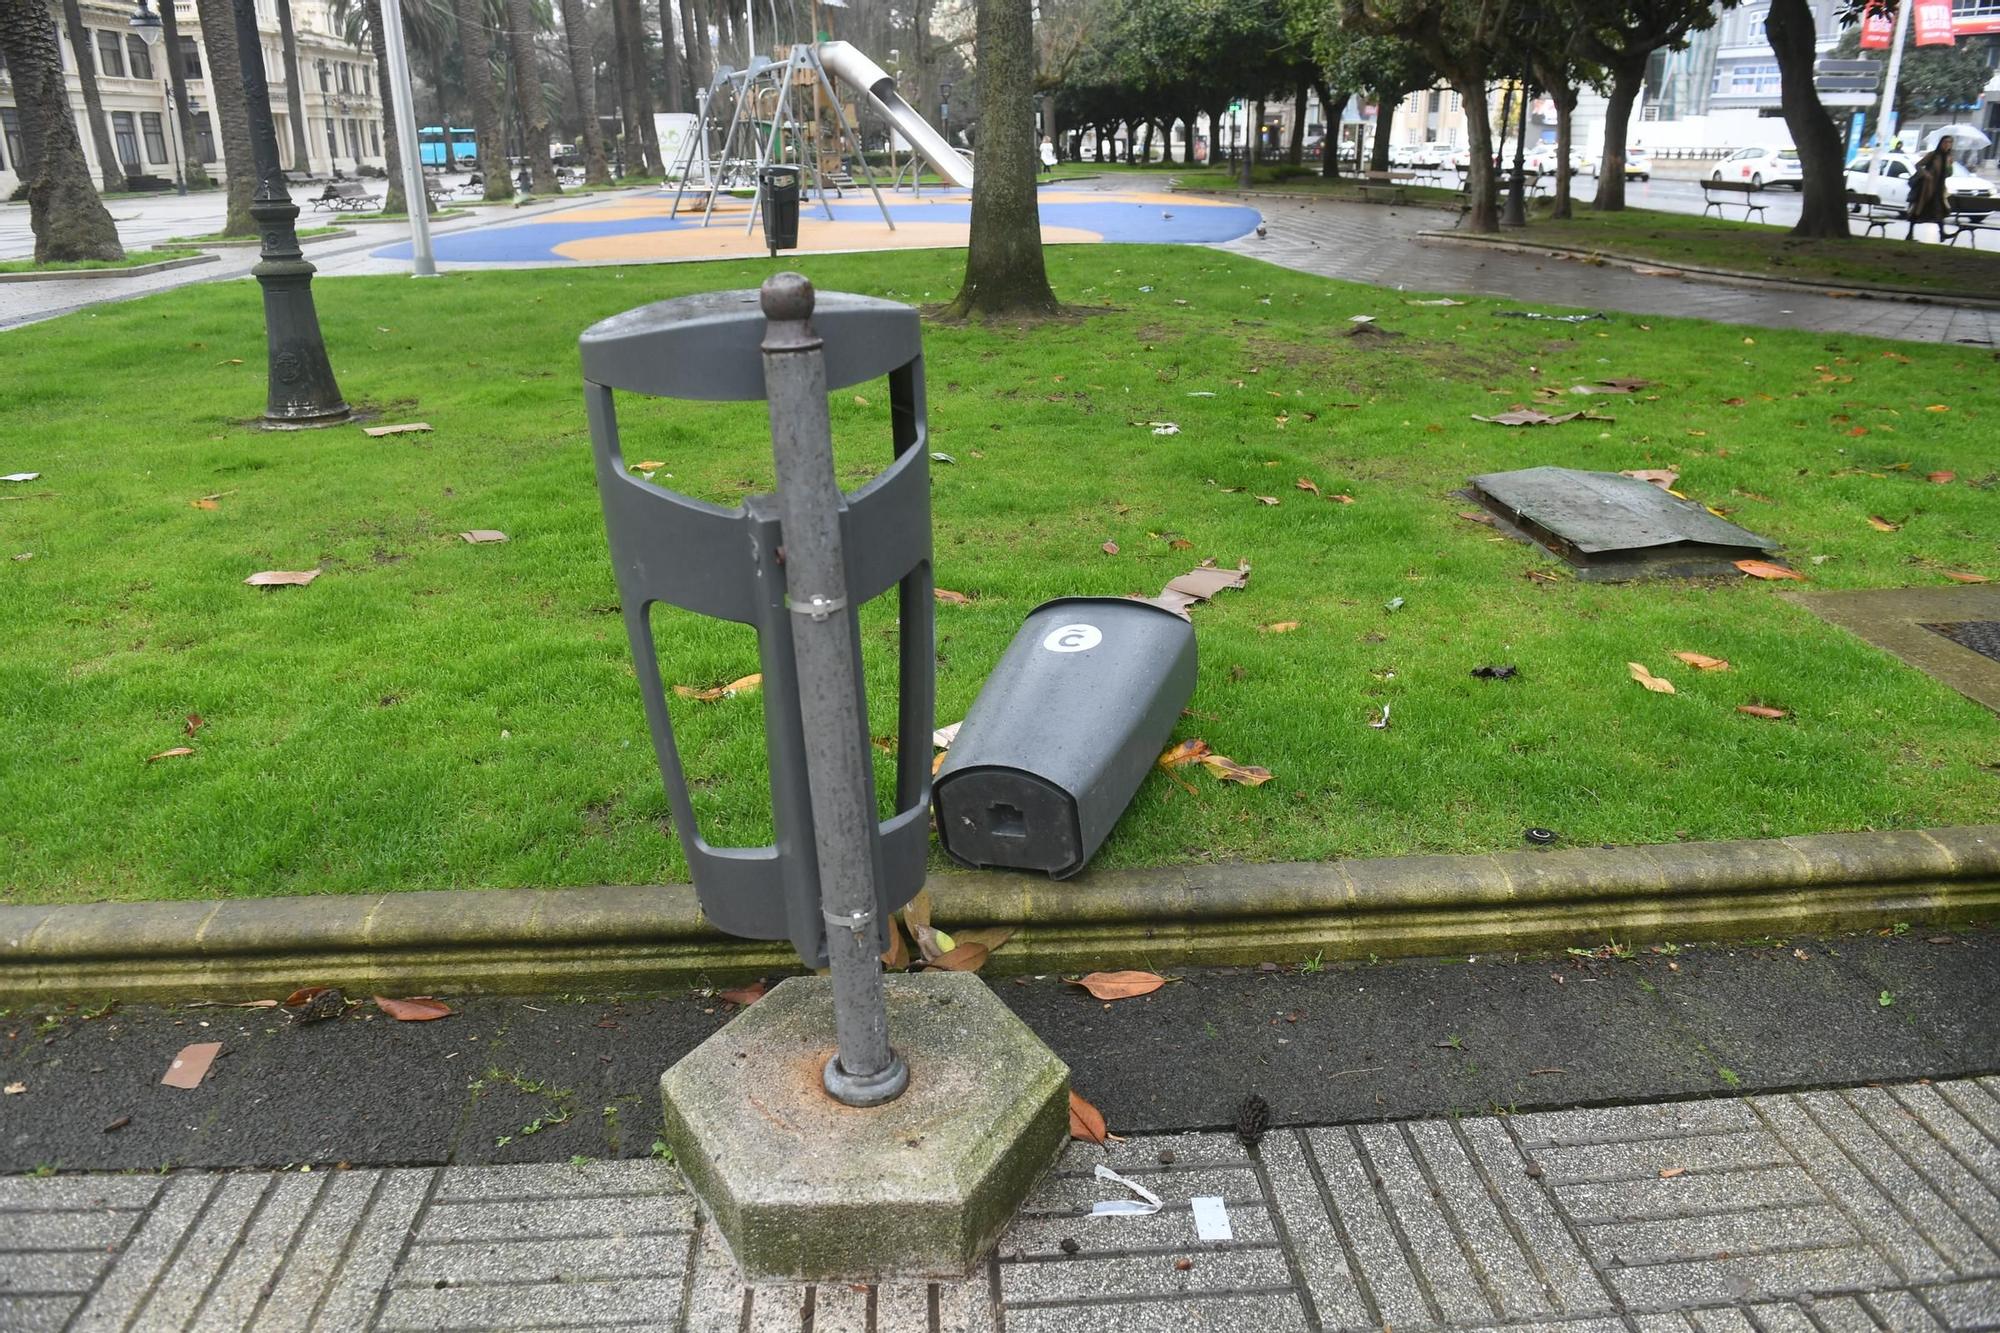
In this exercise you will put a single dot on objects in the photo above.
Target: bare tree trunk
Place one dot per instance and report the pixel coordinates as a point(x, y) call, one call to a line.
point(528, 95)
point(1004, 271)
point(670, 54)
point(700, 65)
point(1625, 84)
point(397, 199)
point(1385, 120)
point(1480, 180)
point(295, 98)
point(583, 81)
point(232, 113)
point(1257, 135)
point(1565, 98)
point(639, 88)
point(70, 222)
point(631, 151)
point(1295, 152)
point(1331, 105)
point(192, 170)
point(108, 167)
point(486, 127)
point(1823, 207)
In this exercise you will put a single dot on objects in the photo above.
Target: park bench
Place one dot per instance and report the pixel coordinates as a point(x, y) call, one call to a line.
point(1875, 215)
point(1971, 215)
point(1717, 193)
point(343, 197)
point(1390, 185)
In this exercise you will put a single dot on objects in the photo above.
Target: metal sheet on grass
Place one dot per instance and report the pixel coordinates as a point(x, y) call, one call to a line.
point(1614, 527)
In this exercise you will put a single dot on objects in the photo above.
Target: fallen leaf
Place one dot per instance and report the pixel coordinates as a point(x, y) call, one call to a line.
point(1183, 1264)
point(1942, 478)
point(195, 722)
point(1670, 1172)
point(859, 401)
point(1267, 499)
point(1759, 710)
point(1187, 752)
point(945, 735)
point(276, 578)
point(1664, 478)
point(14, 1089)
point(743, 995)
point(1306, 484)
point(1109, 548)
point(1180, 544)
point(304, 994)
point(1937, 407)
point(1085, 1121)
point(232, 361)
point(1278, 627)
point(407, 428)
point(650, 465)
point(416, 1009)
point(190, 1066)
point(950, 598)
point(1962, 576)
point(1248, 775)
point(992, 937)
point(1648, 679)
point(204, 503)
point(1703, 662)
point(1341, 499)
point(1120, 985)
point(741, 685)
point(1477, 516)
point(118, 1124)
point(965, 957)
point(897, 958)
point(1764, 569)
point(174, 753)
point(481, 536)
point(1880, 524)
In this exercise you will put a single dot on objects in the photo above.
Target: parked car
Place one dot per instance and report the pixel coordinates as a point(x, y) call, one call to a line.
point(1543, 161)
point(1582, 164)
point(1638, 164)
point(1761, 166)
point(1426, 157)
point(1402, 155)
point(1458, 159)
point(1891, 183)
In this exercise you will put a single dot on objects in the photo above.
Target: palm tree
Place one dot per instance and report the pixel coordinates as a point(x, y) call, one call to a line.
point(477, 58)
point(108, 165)
point(583, 78)
point(295, 98)
point(232, 112)
point(69, 220)
point(170, 27)
point(396, 200)
point(528, 92)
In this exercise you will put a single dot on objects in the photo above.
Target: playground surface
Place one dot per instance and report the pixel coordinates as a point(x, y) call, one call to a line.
point(646, 227)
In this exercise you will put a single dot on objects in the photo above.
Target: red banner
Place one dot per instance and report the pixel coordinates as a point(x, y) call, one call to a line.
point(1932, 23)
point(1877, 29)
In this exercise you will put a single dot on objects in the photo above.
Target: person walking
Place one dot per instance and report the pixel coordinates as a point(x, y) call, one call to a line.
point(1048, 155)
point(1929, 185)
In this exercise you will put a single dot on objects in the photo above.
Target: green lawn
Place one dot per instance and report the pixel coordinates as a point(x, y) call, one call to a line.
point(217, 238)
point(1306, 179)
point(132, 259)
point(431, 713)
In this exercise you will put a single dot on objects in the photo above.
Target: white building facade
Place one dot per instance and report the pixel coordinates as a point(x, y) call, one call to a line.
point(343, 106)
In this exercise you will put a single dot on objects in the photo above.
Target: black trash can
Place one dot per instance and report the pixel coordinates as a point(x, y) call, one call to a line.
point(1069, 724)
point(780, 188)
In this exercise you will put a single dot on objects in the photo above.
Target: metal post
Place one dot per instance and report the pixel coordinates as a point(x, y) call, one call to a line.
point(864, 1071)
point(302, 391)
point(415, 197)
point(1885, 121)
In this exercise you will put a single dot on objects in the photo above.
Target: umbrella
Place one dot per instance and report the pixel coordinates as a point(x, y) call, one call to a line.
point(1962, 138)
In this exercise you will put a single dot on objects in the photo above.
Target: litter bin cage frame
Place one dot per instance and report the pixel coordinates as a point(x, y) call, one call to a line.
point(671, 548)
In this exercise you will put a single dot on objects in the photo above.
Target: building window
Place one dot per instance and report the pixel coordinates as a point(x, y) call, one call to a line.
point(204, 138)
point(332, 144)
point(374, 139)
point(142, 59)
point(110, 56)
point(126, 132)
point(346, 77)
point(1454, 101)
point(367, 90)
point(156, 136)
point(353, 141)
point(325, 80)
point(1755, 27)
point(190, 59)
point(10, 130)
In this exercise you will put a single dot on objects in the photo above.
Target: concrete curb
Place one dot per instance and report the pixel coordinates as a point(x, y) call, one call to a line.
point(527, 940)
point(252, 242)
point(1698, 273)
point(135, 271)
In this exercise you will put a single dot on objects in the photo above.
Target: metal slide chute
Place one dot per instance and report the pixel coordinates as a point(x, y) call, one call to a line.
point(851, 67)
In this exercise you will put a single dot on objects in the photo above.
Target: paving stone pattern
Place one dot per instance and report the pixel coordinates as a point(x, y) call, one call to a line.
point(1869, 1208)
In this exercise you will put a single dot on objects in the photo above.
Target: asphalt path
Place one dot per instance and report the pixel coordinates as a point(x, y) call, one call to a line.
point(551, 1078)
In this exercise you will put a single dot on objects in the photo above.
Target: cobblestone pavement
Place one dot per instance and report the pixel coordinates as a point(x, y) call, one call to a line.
point(1857, 1209)
point(1377, 244)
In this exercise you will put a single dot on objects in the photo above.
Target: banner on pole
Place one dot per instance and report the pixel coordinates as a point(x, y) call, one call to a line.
point(1931, 22)
point(1877, 29)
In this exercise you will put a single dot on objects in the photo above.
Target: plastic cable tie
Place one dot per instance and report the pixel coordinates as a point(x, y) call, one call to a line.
point(1125, 1207)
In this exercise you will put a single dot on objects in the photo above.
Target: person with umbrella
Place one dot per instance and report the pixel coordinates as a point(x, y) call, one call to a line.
point(1928, 185)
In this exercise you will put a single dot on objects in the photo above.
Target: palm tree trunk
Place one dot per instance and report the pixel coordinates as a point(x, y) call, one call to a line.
point(108, 166)
point(583, 81)
point(694, 36)
point(295, 98)
point(232, 113)
point(192, 170)
point(1004, 270)
point(631, 153)
point(478, 56)
point(70, 222)
point(397, 199)
point(670, 56)
point(639, 88)
point(528, 94)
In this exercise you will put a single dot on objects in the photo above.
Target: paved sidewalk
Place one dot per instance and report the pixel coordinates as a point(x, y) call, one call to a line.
point(1863, 1208)
point(1378, 244)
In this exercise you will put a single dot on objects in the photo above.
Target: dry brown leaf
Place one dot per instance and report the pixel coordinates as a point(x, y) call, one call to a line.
point(1703, 662)
point(946, 595)
point(1085, 1121)
point(1648, 679)
point(1670, 1172)
point(1880, 524)
point(204, 503)
point(416, 1009)
point(14, 1089)
point(174, 753)
point(740, 685)
point(743, 995)
point(1942, 478)
point(483, 536)
point(990, 936)
point(1180, 544)
point(1306, 484)
point(1120, 985)
point(1663, 477)
point(1341, 499)
point(407, 428)
point(1964, 576)
point(897, 957)
point(1278, 627)
point(190, 1066)
point(195, 722)
point(1764, 569)
point(1477, 516)
point(1187, 752)
point(1937, 407)
point(277, 578)
point(960, 958)
point(303, 994)
point(1222, 766)
point(1109, 548)
point(917, 911)
point(1759, 710)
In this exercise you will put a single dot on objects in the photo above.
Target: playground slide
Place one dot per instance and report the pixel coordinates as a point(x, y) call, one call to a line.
point(848, 65)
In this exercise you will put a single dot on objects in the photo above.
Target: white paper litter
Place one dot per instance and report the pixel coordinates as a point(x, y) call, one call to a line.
point(1211, 1218)
point(1164, 428)
point(20, 476)
point(1124, 1207)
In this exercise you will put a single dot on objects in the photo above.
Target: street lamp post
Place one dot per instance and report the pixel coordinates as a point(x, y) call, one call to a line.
point(301, 391)
point(147, 24)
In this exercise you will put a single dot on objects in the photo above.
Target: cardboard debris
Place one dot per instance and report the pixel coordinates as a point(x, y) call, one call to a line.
point(480, 536)
point(407, 428)
point(274, 578)
point(191, 1065)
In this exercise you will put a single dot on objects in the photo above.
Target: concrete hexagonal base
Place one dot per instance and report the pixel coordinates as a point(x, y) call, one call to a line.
point(806, 1189)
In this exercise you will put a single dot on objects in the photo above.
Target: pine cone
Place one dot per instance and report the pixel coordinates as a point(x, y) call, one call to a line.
point(1253, 1117)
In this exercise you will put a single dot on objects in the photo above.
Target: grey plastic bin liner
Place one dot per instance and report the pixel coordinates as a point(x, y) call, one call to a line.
point(1069, 724)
